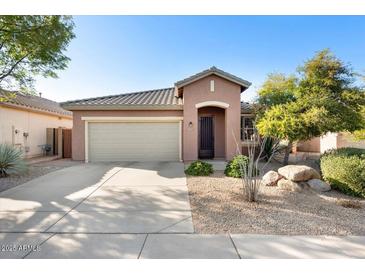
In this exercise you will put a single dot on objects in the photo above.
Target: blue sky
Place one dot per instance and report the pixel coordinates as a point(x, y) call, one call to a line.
point(118, 54)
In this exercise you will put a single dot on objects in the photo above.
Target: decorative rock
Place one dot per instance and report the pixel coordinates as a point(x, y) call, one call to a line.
point(298, 173)
point(290, 185)
point(319, 185)
point(271, 178)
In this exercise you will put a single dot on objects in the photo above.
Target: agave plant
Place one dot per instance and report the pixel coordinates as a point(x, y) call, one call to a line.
point(11, 161)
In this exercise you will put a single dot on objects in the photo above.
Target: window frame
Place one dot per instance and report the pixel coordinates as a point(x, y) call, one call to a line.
point(243, 128)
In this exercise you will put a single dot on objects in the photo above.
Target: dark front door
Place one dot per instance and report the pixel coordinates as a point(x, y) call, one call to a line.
point(206, 137)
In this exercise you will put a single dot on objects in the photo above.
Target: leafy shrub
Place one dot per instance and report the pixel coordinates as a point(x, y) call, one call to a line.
point(346, 151)
point(233, 168)
point(344, 169)
point(199, 168)
point(11, 161)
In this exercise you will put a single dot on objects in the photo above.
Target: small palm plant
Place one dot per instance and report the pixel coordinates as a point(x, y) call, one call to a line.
point(11, 161)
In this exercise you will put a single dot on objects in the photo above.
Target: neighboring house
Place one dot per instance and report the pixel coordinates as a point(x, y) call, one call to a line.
point(31, 122)
point(329, 141)
point(201, 117)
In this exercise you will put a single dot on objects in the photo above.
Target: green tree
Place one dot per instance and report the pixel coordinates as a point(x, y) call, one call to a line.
point(277, 89)
point(32, 46)
point(359, 135)
point(325, 99)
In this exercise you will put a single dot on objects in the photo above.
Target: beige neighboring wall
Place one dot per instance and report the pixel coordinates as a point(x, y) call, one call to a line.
point(346, 140)
point(33, 123)
point(199, 92)
point(78, 131)
point(329, 141)
point(312, 145)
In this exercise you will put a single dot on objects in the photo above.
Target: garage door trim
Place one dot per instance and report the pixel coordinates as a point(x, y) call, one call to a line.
point(168, 119)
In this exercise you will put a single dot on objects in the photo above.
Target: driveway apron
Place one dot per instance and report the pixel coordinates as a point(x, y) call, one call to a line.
point(127, 197)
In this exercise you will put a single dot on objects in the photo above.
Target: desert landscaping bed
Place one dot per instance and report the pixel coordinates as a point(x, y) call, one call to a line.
point(34, 171)
point(218, 207)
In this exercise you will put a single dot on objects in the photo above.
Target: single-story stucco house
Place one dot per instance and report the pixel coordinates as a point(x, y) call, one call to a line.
point(201, 117)
point(31, 123)
point(329, 141)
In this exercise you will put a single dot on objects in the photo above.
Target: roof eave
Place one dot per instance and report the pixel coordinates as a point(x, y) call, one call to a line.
point(122, 107)
point(245, 111)
point(35, 110)
point(180, 84)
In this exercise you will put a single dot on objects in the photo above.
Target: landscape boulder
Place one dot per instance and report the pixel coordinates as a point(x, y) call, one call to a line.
point(271, 178)
point(319, 185)
point(298, 173)
point(290, 185)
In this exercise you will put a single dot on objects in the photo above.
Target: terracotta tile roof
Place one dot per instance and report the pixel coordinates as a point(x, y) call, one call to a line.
point(33, 102)
point(163, 98)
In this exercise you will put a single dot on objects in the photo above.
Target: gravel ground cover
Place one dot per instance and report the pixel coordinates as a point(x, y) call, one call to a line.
point(218, 207)
point(34, 171)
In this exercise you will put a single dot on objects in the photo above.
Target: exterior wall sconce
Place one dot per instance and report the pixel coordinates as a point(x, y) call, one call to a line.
point(190, 125)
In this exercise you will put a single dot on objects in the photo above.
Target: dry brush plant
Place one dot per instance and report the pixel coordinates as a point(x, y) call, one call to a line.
point(251, 171)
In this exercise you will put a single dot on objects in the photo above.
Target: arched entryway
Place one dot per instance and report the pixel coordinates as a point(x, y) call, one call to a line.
point(211, 133)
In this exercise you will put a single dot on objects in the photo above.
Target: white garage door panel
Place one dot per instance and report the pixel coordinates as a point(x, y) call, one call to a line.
point(133, 141)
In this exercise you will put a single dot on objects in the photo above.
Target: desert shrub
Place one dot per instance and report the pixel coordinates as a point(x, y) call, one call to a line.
point(199, 168)
point(344, 169)
point(11, 161)
point(234, 168)
point(272, 148)
point(346, 151)
point(269, 148)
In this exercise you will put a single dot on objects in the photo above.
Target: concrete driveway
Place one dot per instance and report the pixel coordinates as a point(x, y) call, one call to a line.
point(110, 198)
point(128, 197)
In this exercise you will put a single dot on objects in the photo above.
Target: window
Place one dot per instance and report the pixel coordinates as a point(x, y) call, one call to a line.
point(248, 130)
point(211, 85)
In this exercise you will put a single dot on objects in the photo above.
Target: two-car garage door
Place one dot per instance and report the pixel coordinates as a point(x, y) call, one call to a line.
point(133, 141)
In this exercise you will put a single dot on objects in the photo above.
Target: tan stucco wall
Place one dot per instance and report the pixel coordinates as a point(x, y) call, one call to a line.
point(312, 145)
point(198, 92)
point(346, 140)
point(219, 128)
point(330, 141)
point(78, 132)
point(34, 124)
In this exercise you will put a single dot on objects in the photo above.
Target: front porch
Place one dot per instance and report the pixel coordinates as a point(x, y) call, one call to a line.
point(213, 131)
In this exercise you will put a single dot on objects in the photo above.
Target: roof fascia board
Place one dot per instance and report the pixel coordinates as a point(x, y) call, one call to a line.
point(132, 119)
point(122, 107)
point(245, 84)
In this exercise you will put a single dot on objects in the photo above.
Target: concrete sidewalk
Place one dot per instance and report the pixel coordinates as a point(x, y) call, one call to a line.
point(179, 246)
